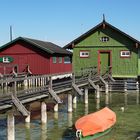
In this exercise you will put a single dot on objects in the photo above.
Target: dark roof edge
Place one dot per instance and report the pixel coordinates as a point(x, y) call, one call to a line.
point(94, 28)
point(26, 40)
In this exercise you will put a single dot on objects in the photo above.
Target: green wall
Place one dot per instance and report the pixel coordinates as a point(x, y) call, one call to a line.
point(121, 67)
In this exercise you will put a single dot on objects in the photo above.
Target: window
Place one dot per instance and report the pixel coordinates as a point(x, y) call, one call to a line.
point(67, 60)
point(6, 60)
point(84, 54)
point(104, 39)
point(54, 59)
point(125, 53)
point(60, 60)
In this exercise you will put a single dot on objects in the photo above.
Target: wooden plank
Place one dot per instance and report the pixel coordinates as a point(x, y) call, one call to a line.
point(20, 106)
point(55, 96)
point(92, 84)
point(77, 89)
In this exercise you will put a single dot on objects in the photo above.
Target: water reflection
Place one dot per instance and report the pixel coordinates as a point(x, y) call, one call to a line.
point(137, 97)
point(125, 99)
point(86, 109)
point(107, 99)
point(98, 103)
point(70, 123)
point(27, 131)
point(43, 132)
point(55, 115)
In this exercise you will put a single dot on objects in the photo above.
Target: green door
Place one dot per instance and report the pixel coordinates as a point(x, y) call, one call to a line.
point(104, 62)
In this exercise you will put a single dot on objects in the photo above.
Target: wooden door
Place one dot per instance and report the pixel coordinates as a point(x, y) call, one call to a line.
point(104, 62)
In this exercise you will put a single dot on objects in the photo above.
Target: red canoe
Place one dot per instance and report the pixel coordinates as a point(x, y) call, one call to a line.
point(96, 122)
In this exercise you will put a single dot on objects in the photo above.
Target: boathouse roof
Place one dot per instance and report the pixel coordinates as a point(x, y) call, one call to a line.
point(102, 24)
point(48, 47)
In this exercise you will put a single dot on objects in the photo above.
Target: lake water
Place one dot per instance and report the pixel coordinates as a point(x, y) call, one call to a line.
point(60, 125)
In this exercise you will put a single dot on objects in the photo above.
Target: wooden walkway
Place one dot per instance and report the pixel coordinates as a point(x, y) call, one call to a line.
point(43, 86)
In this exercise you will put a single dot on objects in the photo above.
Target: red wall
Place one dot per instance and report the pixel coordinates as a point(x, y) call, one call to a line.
point(39, 61)
point(59, 67)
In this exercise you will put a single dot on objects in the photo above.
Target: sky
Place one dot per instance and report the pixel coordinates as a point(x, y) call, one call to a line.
point(61, 21)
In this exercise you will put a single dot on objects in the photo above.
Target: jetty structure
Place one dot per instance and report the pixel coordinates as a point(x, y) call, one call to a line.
point(104, 59)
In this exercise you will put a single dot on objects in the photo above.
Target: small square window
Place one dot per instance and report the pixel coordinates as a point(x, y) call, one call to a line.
point(84, 54)
point(60, 59)
point(54, 60)
point(125, 54)
point(67, 60)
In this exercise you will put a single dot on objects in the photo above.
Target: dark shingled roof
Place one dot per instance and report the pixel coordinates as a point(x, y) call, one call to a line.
point(48, 47)
point(77, 40)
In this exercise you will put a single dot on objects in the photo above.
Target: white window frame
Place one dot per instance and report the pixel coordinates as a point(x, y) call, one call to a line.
point(104, 39)
point(125, 53)
point(84, 54)
point(54, 59)
point(67, 60)
point(6, 60)
point(60, 59)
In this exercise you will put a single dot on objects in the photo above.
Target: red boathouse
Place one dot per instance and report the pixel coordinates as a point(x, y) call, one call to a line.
point(39, 57)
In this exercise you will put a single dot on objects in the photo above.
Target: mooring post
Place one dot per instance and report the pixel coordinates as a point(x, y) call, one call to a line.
point(69, 102)
point(56, 107)
point(125, 86)
point(50, 82)
point(86, 96)
point(137, 86)
point(25, 82)
point(73, 77)
point(38, 81)
point(97, 92)
point(74, 101)
point(28, 118)
point(43, 113)
point(106, 88)
point(10, 126)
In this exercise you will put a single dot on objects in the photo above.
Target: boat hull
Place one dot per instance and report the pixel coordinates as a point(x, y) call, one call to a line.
point(95, 136)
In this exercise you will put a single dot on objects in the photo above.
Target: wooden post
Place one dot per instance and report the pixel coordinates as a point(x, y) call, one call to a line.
point(56, 107)
point(73, 77)
point(27, 119)
point(50, 82)
point(10, 127)
point(25, 82)
point(74, 101)
point(137, 86)
point(86, 96)
point(98, 92)
point(106, 88)
point(43, 113)
point(69, 102)
point(125, 86)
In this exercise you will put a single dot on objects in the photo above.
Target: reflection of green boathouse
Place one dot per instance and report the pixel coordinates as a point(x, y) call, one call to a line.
point(107, 48)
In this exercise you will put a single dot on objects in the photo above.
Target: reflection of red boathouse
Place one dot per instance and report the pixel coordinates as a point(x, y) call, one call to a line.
point(37, 56)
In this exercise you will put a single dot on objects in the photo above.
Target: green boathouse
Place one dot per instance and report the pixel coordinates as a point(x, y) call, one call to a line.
point(107, 48)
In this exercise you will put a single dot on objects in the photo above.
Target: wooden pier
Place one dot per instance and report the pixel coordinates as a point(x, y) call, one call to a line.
point(19, 91)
